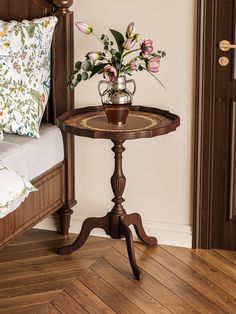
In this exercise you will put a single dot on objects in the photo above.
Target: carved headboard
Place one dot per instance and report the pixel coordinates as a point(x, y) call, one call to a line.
point(61, 99)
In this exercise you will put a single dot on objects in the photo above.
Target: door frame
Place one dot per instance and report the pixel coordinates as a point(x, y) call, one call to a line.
point(204, 115)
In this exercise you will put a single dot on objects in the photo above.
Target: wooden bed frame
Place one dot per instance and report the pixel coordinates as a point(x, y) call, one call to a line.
point(56, 186)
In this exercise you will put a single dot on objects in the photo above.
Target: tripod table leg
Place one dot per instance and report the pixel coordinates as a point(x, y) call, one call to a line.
point(88, 225)
point(130, 248)
point(136, 220)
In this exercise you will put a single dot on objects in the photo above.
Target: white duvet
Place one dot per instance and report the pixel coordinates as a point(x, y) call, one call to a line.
point(13, 189)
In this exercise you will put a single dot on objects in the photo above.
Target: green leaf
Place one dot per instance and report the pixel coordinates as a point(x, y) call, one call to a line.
point(113, 52)
point(140, 68)
point(99, 67)
point(87, 65)
point(84, 76)
point(119, 39)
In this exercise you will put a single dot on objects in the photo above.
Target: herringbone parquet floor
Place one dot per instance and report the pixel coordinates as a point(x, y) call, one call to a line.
point(98, 278)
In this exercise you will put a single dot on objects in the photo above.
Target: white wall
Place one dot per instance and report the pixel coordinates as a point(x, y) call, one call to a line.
point(158, 170)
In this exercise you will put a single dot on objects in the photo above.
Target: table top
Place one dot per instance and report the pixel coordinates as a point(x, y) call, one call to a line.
point(142, 122)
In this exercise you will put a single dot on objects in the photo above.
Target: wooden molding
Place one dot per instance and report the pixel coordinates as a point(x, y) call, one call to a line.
point(63, 5)
point(203, 149)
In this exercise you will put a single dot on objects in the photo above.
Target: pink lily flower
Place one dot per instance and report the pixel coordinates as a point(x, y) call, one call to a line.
point(129, 43)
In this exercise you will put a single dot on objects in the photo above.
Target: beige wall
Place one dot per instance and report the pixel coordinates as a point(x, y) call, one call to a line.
point(158, 170)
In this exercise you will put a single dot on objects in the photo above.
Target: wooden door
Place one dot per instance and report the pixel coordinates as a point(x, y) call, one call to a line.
point(215, 153)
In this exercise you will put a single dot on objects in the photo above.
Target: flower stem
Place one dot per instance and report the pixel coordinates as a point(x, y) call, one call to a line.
point(127, 53)
point(154, 77)
point(97, 37)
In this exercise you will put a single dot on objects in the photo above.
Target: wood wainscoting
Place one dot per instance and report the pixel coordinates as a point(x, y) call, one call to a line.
point(45, 201)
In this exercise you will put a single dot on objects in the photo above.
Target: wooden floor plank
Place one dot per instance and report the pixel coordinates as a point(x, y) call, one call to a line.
point(229, 255)
point(31, 265)
point(152, 286)
point(98, 278)
point(115, 300)
point(173, 282)
point(56, 285)
point(52, 266)
point(47, 309)
point(16, 252)
point(87, 299)
point(65, 304)
point(204, 268)
point(218, 296)
point(218, 261)
point(51, 243)
point(27, 300)
point(37, 278)
point(121, 283)
point(37, 235)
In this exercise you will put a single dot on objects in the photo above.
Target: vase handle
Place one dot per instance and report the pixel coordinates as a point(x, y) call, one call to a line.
point(134, 90)
point(99, 87)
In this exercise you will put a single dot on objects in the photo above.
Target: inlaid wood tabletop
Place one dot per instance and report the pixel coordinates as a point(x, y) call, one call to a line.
point(142, 122)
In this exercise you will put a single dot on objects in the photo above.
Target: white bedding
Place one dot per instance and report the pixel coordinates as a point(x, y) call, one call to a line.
point(13, 191)
point(30, 156)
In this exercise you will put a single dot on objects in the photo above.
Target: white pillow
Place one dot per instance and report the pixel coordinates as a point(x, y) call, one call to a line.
point(13, 189)
point(25, 49)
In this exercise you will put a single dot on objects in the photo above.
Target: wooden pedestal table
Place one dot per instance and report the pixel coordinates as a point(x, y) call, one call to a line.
point(142, 122)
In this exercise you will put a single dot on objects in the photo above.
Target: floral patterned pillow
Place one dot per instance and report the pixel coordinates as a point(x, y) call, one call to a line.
point(25, 73)
point(14, 190)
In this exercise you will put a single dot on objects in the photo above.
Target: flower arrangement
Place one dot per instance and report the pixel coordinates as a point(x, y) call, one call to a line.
point(114, 63)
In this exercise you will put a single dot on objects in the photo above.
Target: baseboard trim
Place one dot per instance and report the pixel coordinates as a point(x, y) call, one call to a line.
point(167, 233)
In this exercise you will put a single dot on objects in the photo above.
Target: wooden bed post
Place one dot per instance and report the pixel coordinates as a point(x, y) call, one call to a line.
point(62, 66)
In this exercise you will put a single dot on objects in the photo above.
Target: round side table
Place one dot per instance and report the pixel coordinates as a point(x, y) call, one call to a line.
point(143, 122)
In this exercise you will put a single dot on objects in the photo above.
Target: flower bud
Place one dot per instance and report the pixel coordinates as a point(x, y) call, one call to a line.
point(84, 28)
point(130, 32)
point(153, 64)
point(134, 65)
point(129, 44)
point(94, 55)
point(110, 73)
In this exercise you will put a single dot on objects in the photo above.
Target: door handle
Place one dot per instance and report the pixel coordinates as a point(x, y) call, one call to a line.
point(225, 45)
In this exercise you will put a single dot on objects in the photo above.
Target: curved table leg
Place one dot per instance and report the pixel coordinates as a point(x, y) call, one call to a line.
point(136, 220)
point(88, 225)
point(130, 248)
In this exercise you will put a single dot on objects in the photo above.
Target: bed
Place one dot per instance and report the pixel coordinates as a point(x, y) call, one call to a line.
point(50, 163)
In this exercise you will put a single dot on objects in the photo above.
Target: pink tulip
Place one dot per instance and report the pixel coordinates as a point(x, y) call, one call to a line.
point(153, 64)
point(129, 43)
point(93, 55)
point(84, 28)
point(147, 47)
point(130, 32)
point(133, 65)
point(110, 73)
